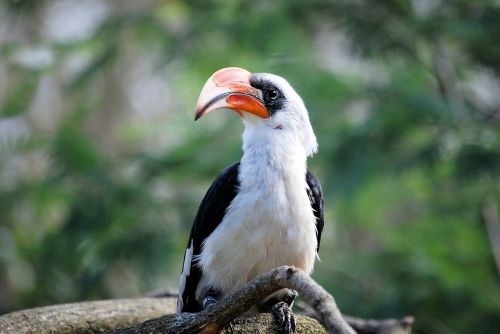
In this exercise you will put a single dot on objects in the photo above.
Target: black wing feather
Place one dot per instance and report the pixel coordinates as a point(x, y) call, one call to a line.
point(210, 214)
point(316, 197)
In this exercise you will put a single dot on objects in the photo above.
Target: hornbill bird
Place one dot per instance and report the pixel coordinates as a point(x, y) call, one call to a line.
point(263, 212)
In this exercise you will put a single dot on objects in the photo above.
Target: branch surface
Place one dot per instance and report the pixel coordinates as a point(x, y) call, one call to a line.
point(86, 317)
point(147, 315)
point(240, 301)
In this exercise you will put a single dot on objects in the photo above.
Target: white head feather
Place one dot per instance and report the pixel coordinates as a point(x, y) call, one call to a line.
point(290, 121)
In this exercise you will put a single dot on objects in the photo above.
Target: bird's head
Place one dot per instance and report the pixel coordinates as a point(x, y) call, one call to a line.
point(268, 105)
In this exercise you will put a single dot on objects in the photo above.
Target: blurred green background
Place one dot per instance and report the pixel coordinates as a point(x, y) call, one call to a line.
point(102, 167)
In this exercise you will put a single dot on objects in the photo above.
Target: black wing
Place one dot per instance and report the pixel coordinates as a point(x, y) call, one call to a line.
point(316, 197)
point(210, 213)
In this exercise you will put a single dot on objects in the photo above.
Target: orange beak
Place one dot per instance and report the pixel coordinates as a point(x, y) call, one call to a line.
point(229, 88)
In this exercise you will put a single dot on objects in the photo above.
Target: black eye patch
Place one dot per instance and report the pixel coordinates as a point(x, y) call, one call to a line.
point(273, 97)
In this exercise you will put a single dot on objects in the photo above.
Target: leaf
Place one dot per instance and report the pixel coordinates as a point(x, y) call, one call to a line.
point(20, 96)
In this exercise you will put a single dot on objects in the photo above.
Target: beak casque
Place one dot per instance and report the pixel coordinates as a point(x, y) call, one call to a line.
point(229, 88)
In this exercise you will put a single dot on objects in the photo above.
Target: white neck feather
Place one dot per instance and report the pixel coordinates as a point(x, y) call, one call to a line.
point(269, 153)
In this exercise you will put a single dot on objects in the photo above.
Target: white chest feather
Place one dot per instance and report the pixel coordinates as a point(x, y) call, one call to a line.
point(269, 223)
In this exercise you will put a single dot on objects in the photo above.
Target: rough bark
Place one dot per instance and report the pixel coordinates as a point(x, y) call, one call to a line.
point(87, 317)
point(240, 301)
point(102, 316)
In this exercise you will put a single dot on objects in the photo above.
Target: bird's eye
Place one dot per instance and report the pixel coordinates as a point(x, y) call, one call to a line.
point(272, 94)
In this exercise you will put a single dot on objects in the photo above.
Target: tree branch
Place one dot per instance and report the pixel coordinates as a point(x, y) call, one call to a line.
point(491, 219)
point(87, 317)
point(386, 326)
point(240, 301)
point(101, 316)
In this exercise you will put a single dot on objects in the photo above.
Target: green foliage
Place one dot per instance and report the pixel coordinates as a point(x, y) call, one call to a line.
point(97, 198)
